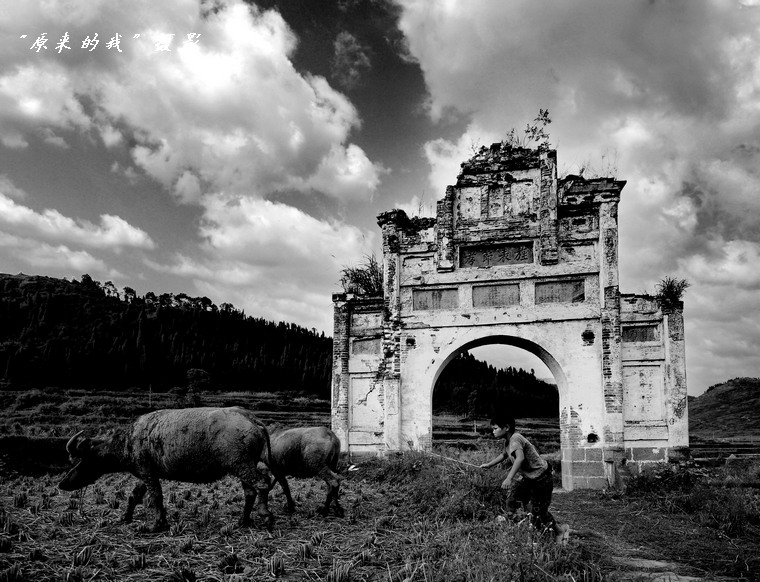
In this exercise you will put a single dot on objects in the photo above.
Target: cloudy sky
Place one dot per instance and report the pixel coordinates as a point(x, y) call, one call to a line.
point(242, 151)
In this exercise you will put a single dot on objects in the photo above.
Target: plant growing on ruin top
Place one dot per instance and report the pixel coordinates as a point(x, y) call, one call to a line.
point(534, 136)
point(670, 291)
point(363, 279)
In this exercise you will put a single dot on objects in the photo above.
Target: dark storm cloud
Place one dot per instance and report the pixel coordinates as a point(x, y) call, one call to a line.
point(673, 87)
point(350, 61)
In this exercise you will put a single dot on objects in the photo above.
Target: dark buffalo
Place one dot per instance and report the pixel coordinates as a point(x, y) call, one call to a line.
point(307, 452)
point(194, 445)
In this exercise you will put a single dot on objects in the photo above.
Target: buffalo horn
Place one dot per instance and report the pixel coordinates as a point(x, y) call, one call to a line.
point(71, 445)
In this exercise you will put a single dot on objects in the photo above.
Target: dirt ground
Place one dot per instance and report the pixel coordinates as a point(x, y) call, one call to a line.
point(648, 544)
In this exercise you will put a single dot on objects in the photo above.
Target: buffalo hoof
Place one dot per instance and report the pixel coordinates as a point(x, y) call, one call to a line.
point(159, 526)
point(339, 511)
point(288, 508)
point(269, 522)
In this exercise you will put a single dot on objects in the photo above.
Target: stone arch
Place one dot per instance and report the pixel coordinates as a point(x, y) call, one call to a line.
point(508, 340)
point(514, 255)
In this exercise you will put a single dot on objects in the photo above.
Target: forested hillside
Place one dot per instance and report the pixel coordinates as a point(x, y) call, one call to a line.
point(470, 386)
point(55, 332)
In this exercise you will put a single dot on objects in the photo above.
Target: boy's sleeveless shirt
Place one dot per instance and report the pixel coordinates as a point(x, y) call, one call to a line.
point(533, 465)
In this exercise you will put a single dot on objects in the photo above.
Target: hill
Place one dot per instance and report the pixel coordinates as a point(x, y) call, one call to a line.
point(470, 386)
point(84, 334)
point(726, 410)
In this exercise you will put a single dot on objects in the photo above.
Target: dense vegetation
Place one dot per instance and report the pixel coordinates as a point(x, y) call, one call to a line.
point(469, 386)
point(55, 332)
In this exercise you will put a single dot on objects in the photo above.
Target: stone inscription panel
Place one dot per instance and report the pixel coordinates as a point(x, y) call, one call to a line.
point(521, 198)
point(561, 292)
point(365, 321)
point(493, 255)
point(641, 333)
point(642, 393)
point(495, 295)
point(495, 202)
point(366, 347)
point(366, 409)
point(469, 203)
point(434, 299)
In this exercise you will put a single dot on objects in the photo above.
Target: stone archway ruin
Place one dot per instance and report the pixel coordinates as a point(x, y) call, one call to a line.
point(514, 256)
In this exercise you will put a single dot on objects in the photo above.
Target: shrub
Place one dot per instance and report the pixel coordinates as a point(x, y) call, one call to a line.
point(726, 499)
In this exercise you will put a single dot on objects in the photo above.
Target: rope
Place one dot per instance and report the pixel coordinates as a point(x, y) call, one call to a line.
point(455, 460)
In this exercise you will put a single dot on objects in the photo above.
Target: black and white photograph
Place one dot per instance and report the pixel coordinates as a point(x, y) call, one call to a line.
point(379, 290)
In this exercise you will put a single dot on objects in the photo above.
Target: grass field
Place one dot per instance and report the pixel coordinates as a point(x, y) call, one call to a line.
point(411, 517)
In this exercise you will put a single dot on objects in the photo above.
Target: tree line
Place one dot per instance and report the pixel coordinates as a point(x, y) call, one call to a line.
point(55, 332)
point(470, 386)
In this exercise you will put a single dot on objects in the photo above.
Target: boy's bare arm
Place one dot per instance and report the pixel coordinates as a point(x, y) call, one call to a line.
point(494, 461)
point(519, 457)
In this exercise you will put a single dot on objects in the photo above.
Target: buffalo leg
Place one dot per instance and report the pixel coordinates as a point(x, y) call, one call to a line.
point(252, 493)
point(333, 487)
point(135, 497)
point(290, 506)
point(256, 484)
point(157, 498)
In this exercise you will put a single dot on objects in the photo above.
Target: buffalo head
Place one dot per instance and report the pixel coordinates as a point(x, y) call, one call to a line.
point(88, 466)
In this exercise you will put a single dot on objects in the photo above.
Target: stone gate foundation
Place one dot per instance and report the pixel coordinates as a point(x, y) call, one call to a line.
point(514, 256)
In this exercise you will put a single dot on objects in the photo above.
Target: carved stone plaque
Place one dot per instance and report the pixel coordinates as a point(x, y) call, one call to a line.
point(640, 333)
point(366, 346)
point(433, 299)
point(495, 295)
point(642, 393)
point(492, 255)
point(561, 292)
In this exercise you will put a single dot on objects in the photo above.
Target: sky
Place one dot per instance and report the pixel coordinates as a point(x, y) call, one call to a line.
point(243, 150)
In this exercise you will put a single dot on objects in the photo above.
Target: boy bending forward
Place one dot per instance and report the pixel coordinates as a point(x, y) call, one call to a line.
point(536, 484)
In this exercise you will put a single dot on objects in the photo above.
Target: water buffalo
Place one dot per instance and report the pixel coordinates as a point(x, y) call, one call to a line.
point(307, 452)
point(195, 445)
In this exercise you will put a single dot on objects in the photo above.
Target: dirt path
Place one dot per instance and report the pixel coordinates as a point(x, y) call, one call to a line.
point(643, 541)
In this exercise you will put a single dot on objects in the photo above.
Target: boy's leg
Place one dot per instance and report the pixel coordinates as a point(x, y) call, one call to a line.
point(541, 498)
point(518, 496)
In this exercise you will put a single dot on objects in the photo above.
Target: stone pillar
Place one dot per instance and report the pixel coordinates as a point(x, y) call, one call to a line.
point(389, 372)
point(675, 390)
point(340, 376)
point(612, 359)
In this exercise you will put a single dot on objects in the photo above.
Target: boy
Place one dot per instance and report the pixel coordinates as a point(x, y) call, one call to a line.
point(536, 483)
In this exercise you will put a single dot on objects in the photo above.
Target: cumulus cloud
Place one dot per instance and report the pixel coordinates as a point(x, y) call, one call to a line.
point(222, 121)
point(9, 189)
point(270, 258)
point(227, 105)
point(50, 225)
point(55, 259)
point(681, 114)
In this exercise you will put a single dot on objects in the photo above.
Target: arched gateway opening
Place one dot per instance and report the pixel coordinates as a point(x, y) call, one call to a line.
point(518, 257)
point(506, 375)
